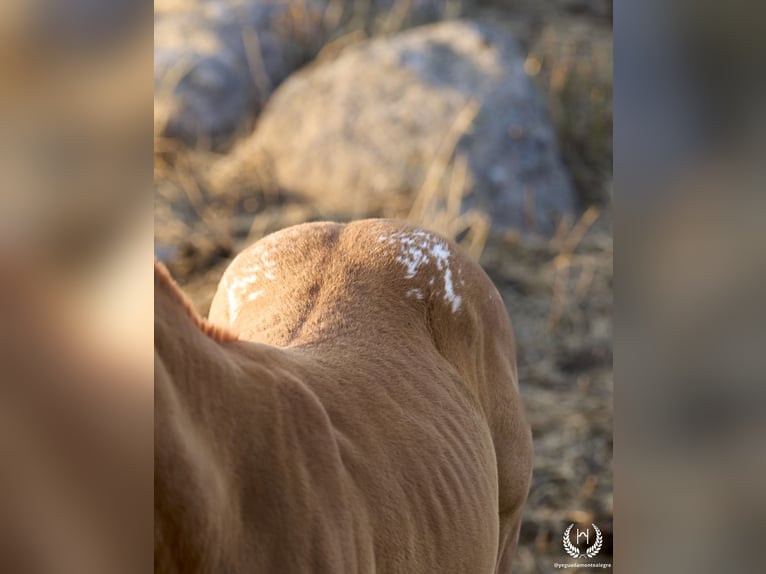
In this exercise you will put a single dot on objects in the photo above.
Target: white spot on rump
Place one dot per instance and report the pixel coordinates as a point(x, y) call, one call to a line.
point(417, 293)
point(449, 292)
point(268, 265)
point(253, 296)
point(243, 274)
point(419, 248)
point(234, 305)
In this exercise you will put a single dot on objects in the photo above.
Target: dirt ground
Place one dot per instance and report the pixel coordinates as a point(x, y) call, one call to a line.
point(558, 291)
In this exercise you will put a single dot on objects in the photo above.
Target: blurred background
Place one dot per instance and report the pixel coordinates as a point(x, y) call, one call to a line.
point(691, 329)
point(487, 121)
point(76, 397)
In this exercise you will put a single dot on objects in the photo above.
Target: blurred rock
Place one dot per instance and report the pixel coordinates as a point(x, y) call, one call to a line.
point(361, 134)
point(217, 61)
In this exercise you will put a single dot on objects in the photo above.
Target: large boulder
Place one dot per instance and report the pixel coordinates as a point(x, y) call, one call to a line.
point(370, 131)
point(216, 62)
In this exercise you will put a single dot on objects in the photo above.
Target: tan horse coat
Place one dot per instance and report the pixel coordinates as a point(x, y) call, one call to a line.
point(365, 418)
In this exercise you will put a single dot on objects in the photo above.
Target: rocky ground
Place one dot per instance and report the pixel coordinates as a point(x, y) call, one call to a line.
point(555, 274)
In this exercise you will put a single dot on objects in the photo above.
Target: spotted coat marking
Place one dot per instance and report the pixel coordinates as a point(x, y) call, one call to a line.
point(244, 280)
point(239, 285)
point(417, 249)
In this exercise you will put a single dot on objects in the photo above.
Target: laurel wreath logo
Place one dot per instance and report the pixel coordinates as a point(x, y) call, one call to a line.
point(591, 551)
point(570, 548)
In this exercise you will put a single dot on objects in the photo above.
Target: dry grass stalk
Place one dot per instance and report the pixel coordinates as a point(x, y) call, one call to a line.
point(586, 279)
point(396, 17)
point(438, 203)
point(255, 61)
point(166, 146)
point(190, 187)
point(443, 157)
point(334, 48)
point(167, 85)
point(561, 265)
point(567, 241)
point(333, 14)
point(582, 226)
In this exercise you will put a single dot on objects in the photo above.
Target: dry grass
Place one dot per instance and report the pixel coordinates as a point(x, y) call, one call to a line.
point(566, 261)
point(438, 205)
point(572, 62)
